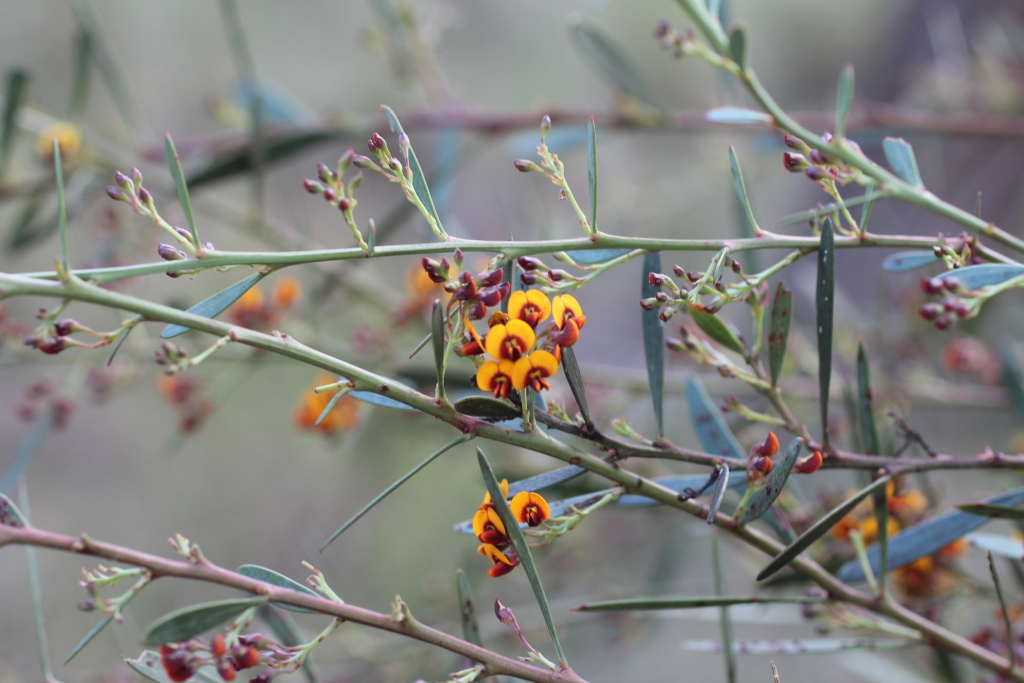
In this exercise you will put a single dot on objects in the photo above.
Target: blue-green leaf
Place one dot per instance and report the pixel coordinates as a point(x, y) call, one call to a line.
point(378, 400)
point(62, 211)
point(187, 622)
point(926, 538)
point(714, 434)
point(721, 486)
point(574, 377)
point(592, 171)
point(27, 451)
point(276, 147)
point(215, 305)
point(741, 191)
point(717, 329)
point(609, 61)
point(255, 571)
point(695, 602)
point(908, 260)
point(546, 480)
point(182, 187)
point(778, 331)
point(437, 339)
point(843, 100)
point(983, 275)
point(588, 257)
point(419, 179)
point(1006, 546)
point(738, 46)
point(900, 156)
point(992, 511)
point(760, 496)
point(654, 341)
point(825, 300)
point(95, 631)
point(801, 646)
point(737, 116)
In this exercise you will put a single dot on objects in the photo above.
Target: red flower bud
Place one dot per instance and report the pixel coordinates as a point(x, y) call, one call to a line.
point(311, 186)
point(810, 464)
point(491, 278)
point(656, 279)
point(930, 311)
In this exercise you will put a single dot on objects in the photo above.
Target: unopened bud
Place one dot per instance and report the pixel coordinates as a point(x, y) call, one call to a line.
point(311, 186)
point(545, 126)
point(820, 158)
point(952, 284)
point(359, 161)
point(941, 323)
point(666, 315)
point(376, 142)
point(124, 182)
point(529, 263)
point(53, 345)
point(796, 143)
point(930, 311)
point(656, 279)
point(491, 278)
point(117, 194)
point(678, 270)
point(344, 161)
point(525, 165)
point(815, 173)
point(662, 29)
point(736, 267)
point(675, 344)
point(403, 143)
point(344, 204)
point(528, 278)
point(64, 327)
point(961, 310)
point(794, 162)
point(356, 182)
point(931, 285)
point(324, 174)
point(136, 178)
point(649, 304)
point(169, 253)
point(146, 198)
point(662, 297)
point(557, 275)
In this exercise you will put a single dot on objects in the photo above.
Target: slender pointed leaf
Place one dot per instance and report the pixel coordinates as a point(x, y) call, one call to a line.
point(386, 492)
point(419, 179)
point(515, 535)
point(378, 400)
point(487, 408)
point(992, 511)
point(820, 528)
point(869, 203)
point(10, 515)
point(182, 187)
point(121, 336)
point(738, 46)
point(609, 61)
point(1006, 546)
point(1002, 604)
point(571, 368)
point(187, 622)
point(654, 342)
point(592, 171)
point(866, 409)
point(741, 190)
point(801, 646)
point(95, 631)
point(825, 297)
point(900, 156)
point(329, 407)
point(717, 329)
point(908, 260)
point(62, 212)
point(712, 431)
point(737, 116)
point(467, 613)
point(546, 480)
point(255, 571)
point(695, 602)
point(27, 451)
point(843, 100)
point(983, 275)
point(724, 622)
point(14, 95)
point(721, 486)
point(926, 538)
point(214, 305)
point(148, 666)
point(430, 335)
point(437, 339)
point(778, 331)
point(587, 257)
point(761, 496)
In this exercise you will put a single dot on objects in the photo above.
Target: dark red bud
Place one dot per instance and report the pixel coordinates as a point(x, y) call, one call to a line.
point(952, 284)
point(477, 311)
point(330, 195)
point(529, 263)
point(359, 161)
point(794, 162)
point(116, 194)
point(930, 311)
point(311, 186)
point(344, 204)
point(124, 182)
point(376, 142)
point(649, 304)
point(815, 173)
point(943, 322)
point(666, 314)
point(489, 279)
point(656, 279)
point(557, 275)
point(528, 278)
point(323, 173)
point(931, 285)
point(53, 345)
point(662, 297)
point(64, 327)
point(961, 310)
point(678, 270)
point(169, 253)
point(949, 303)
point(144, 196)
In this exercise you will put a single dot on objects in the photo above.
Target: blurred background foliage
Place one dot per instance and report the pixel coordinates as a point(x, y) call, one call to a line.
point(249, 486)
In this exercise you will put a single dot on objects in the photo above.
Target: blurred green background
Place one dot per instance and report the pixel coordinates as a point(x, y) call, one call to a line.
point(250, 488)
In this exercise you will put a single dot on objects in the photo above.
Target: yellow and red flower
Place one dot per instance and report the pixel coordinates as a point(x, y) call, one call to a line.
point(530, 507)
point(510, 341)
point(531, 306)
point(495, 377)
point(569, 319)
point(533, 370)
point(502, 563)
point(488, 527)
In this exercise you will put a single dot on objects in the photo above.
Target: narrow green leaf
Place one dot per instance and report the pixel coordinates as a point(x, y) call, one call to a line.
point(694, 602)
point(95, 631)
point(825, 299)
point(255, 571)
point(712, 431)
point(515, 535)
point(908, 260)
point(28, 449)
point(62, 212)
point(926, 538)
point(801, 646)
point(36, 591)
point(467, 613)
point(1002, 603)
point(865, 397)
point(592, 171)
point(330, 406)
point(741, 189)
point(487, 408)
point(14, 95)
point(80, 84)
point(737, 116)
point(900, 156)
point(992, 511)
point(10, 515)
point(587, 257)
point(214, 305)
point(437, 340)
point(717, 329)
point(654, 342)
point(419, 180)
point(179, 183)
point(724, 622)
point(571, 368)
point(760, 496)
point(187, 622)
point(546, 480)
point(721, 486)
point(778, 331)
point(984, 275)
point(148, 666)
point(869, 197)
point(386, 492)
point(820, 528)
point(277, 147)
point(843, 100)
point(122, 335)
point(609, 61)
point(738, 46)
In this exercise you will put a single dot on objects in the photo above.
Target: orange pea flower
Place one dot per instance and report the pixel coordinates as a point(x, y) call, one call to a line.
point(502, 564)
point(565, 308)
point(533, 370)
point(345, 414)
point(496, 377)
point(530, 507)
point(286, 292)
point(487, 496)
point(531, 306)
point(810, 464)
point(510, 341)
point(770, 446)
point(488, 527)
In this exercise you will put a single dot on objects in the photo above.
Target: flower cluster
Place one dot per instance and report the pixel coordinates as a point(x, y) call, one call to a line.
point(182, 660)
point(527, 507)
point(760, 461)
point(814, 163)
point(256, 311)
point(958, 302)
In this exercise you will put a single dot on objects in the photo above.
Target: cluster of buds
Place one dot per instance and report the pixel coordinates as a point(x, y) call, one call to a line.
point(683, 294)
point(957, 301)
point(173, 358)
point(182, 660)
point(337, 193)
point(474, 294)
point(527, 507)
point(675, 41)
point(184, 393)
point(40, 396)
point(53, 335)
point(131, 192)
point(814, 163)
point(536, 273)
